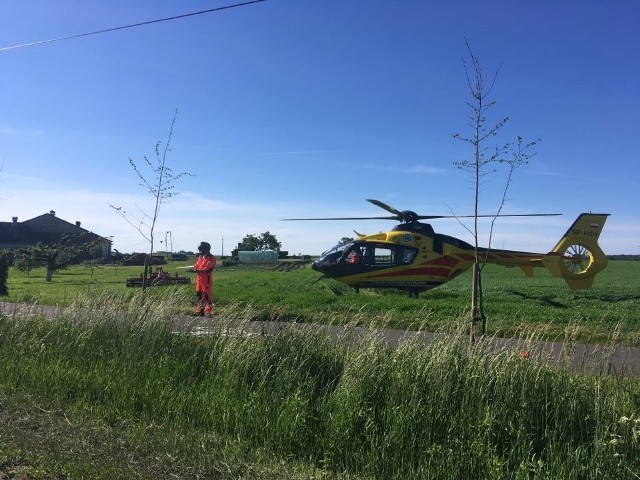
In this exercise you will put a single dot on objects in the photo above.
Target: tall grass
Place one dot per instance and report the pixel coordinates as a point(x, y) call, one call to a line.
point(512, 301)
point(358, 408)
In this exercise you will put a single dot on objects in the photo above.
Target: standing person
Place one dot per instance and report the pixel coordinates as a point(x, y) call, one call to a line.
point(203, 269)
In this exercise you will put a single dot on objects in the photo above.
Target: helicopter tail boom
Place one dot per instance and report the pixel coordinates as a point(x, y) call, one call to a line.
point(577, 257)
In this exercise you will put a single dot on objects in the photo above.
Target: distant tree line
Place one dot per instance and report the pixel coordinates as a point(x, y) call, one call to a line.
point(624, 257)
point(257, 243)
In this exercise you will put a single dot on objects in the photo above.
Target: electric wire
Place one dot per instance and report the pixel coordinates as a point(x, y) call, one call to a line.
point(113, 29)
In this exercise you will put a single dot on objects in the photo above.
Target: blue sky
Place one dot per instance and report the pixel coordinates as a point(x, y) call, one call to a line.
point(305, 108)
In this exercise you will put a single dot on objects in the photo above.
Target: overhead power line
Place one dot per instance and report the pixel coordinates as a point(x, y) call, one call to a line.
point(107, 30)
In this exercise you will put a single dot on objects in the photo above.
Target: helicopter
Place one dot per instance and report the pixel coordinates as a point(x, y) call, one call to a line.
point(414, 258)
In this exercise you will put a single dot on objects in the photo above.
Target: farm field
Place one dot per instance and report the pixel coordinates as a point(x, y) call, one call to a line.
point(513, 302)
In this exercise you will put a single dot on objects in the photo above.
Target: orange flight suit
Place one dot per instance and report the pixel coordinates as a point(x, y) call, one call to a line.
point(204, 283)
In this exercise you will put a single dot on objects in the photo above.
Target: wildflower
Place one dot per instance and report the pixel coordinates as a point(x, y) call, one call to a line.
point(615, 439)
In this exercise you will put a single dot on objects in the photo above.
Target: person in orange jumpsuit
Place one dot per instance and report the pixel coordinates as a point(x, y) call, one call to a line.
point(203, 269)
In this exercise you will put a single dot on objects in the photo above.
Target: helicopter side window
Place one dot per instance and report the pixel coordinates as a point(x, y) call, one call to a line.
point(382, 256)
point(409, 255)
point(385, 255)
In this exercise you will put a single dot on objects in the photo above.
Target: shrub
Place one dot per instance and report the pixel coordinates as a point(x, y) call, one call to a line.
point(4, 273)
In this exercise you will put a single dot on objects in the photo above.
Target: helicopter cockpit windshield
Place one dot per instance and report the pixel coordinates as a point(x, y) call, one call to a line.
point(333, 255)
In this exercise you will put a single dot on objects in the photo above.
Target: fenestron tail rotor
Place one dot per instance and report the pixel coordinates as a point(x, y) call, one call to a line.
point(577, 258)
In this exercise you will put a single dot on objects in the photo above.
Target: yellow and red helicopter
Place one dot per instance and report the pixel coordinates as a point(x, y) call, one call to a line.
point(413, 257)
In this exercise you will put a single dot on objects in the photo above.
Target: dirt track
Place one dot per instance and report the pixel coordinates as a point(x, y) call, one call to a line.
point(579, 357)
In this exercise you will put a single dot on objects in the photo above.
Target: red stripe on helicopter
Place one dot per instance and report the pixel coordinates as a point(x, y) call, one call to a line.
point(446, 261)
point(438, 272)
point(496, 256)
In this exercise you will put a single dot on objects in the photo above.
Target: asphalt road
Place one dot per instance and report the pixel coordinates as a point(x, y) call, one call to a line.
point(580, 357)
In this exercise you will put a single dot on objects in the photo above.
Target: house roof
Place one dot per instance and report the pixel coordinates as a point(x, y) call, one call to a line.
point(15, 233)
point(49, 223)
point(46, 228)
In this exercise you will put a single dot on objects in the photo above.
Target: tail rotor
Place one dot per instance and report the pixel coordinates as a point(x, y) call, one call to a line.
point(577, 257)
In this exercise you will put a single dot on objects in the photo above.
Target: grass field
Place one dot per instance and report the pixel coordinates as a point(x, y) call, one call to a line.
point(108, 391)
point(513, 302)
point(98, 395)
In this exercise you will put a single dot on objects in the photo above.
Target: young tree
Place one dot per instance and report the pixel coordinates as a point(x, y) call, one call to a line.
point(160, 185)
point(25, 261)
point(71, 249)
point(486, 161)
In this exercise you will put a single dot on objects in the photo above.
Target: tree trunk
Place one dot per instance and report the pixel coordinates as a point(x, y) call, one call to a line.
point(145, 275)
point(49, 274)
point(477, 305)
point(475, 289)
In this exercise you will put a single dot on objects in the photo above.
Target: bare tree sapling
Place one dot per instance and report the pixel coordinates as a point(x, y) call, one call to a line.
point(487, 159)
point(159, 183)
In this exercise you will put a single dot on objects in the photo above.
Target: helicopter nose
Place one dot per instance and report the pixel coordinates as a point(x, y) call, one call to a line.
point(321, 267)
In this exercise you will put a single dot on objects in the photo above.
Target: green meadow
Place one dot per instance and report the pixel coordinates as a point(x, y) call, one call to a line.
point(109, 390)
point(513, 302)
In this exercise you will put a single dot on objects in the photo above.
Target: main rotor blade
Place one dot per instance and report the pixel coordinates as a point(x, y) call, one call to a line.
point(420, 217)
point(431, 217)
point(386, 207)
point(339, 218)
point(492, 216)
point(402, 216)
